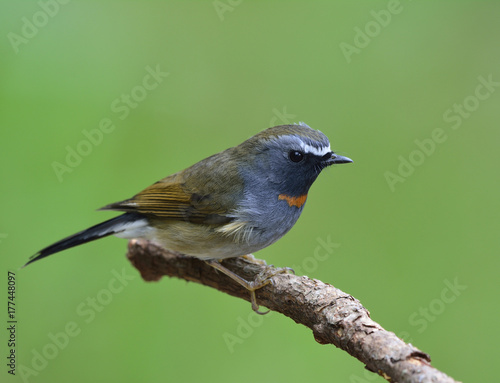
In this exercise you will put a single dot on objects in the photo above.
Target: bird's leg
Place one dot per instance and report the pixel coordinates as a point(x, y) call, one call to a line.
point(262, 279)
point(250, 286)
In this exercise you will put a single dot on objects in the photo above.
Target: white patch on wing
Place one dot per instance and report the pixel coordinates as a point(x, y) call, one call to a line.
point(136, 229)
point(239, 229)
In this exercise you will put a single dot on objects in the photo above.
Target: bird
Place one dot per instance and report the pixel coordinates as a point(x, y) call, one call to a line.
point(231, 204)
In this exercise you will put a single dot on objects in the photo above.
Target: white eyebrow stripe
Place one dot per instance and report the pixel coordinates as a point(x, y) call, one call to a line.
point(317, 152)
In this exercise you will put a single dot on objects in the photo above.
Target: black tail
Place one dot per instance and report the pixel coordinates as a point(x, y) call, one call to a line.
point(112, 226)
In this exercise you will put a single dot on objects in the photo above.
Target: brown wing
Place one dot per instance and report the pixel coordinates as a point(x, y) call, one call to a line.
point(169, 199)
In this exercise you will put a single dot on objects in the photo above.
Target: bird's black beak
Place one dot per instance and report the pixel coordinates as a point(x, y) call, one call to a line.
point(333, 158)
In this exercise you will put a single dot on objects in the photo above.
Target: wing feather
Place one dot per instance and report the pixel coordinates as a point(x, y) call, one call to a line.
point(172, 200)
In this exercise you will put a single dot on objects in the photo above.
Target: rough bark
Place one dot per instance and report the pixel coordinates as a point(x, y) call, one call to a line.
point(334, 317)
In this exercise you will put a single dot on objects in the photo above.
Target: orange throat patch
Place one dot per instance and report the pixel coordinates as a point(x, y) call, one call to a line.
point(294, 201)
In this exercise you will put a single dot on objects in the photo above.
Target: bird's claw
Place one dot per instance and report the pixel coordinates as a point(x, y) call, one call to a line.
point(262, 279)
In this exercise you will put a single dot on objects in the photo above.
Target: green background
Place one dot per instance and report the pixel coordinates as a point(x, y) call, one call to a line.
point(231, 74)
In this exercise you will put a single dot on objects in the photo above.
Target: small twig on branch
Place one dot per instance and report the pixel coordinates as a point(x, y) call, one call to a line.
point(334, 316)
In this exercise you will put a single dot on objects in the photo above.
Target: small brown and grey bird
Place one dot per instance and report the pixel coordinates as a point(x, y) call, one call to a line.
point(233, 203)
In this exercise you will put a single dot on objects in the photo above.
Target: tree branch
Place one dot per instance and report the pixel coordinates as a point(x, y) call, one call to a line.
point(334, 316)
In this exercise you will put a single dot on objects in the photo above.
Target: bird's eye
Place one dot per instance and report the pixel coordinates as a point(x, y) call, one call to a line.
point(295, 156)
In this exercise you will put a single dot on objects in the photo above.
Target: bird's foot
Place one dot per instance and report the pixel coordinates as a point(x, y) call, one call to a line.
point(262, 279)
